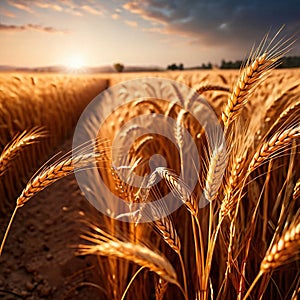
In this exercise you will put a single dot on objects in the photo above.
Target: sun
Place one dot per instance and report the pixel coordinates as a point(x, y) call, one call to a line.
point(75, 62)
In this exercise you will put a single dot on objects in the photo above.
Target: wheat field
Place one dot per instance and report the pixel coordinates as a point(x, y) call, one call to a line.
point(243, 245)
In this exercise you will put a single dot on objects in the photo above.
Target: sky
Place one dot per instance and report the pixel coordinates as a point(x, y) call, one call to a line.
point(146, 32)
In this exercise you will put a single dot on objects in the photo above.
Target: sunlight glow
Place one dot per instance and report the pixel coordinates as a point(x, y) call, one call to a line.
point(75, 62)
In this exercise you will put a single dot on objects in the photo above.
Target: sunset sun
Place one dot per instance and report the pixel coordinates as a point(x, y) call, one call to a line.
point(75, 62)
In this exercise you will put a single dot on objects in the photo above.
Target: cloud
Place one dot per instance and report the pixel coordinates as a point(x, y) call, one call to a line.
point(76, 8)
point(131, 23)
point(218, 23)
point(74, 12)
point(92, 10)
point(51, 5)
point(30, 27)
point(142, 9)
point(115, 16)
point(7, 13)
point(22, 5)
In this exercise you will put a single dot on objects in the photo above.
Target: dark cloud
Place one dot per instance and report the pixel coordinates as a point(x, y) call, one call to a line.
point(28, 27)
point(219, 22)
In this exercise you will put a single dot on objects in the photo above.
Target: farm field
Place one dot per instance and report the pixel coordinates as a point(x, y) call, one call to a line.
point(252, 221)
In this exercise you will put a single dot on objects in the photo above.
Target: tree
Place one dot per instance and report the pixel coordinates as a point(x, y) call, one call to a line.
point(174, 67)
point(119, 67)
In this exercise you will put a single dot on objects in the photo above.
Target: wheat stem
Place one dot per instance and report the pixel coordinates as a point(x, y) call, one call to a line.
point(131, 281)
point(183, 273)
point(253, 285)
point(7, 229)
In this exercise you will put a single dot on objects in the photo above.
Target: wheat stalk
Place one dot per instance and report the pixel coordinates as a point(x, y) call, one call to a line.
point(16, 146)
point(179, 129)
point(296, 293)
point(160, 289)
point(268, 149)
point(256, 69)
point(119, 184)
point(137, 253)
point(164, 225)
point(210, 87)
point(280, 102)
point(290, 115)
point(44, 179)
point(64, 166)
point(78, 159)
point(284, 250)
point(141, 255)
point(217, 164)
point(179, 189)
point(167, 230)
point(248, 79)
point(51, 174)
point(296, 192)
point(232, 183)
point(292, 110)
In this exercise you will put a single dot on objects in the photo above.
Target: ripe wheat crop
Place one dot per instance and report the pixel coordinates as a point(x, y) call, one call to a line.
point(244, 244)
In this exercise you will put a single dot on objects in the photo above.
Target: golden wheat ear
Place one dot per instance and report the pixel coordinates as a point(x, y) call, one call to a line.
point(284, 251)
point(160, 289)
point(11, 150)
point(179, 189)
point(73, 161)
point(76, 160)
point(267, 57)
point(296, 191)
point(279, 141)
point(210, 87)
point(104, 244)
point(215, 164)
point(166, 228)
point(18, 143)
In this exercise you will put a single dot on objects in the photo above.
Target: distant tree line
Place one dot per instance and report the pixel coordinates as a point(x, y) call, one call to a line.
point(207, 66)
point(287, 62)
point(231, 64)
point(290, 62)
